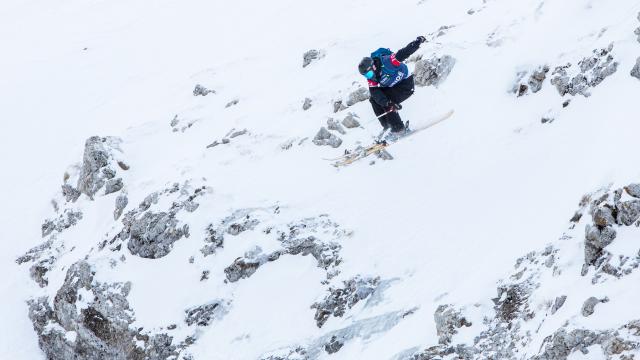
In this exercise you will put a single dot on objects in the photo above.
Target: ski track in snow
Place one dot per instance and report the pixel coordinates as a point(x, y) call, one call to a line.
point(446, 219)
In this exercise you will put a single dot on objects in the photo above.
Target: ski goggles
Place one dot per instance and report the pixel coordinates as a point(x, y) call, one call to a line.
point(369, 74)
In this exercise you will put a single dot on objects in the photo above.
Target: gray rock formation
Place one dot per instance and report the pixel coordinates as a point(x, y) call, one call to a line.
point(534, 83)
point(350, 121)
point(338, 106)
point(633, 190)
point(232, 103)
point(628, 212)
point(66, 220)
point(121, 202)
point(153, 234)
point(433, 71)
point(603, 217)
point(359, 95)
point(244, 267)
point(635, 71)
point(592, 71)
point(558, 303)
point(307, 104)
point(596, 239)
point(324, 137)
point(448, 321)
point(97, 167)
point(113, 185)
point(588, 308)
point(70, 193)
point(311, 56)
point(203, 315)
point(334, 125)
point(91, 321)
point(200, 90)
point(339, 300)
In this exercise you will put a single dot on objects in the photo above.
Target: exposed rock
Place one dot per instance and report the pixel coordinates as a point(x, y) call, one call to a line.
point(324, 137)
point(633, 190)
point(203, 315)
point(70, 193)
point(334, 125)
point(113, 185)
point(628, 212)
point(244, 267)
point(333, 346)
point(96, 164)
point(310, 56)
point(338, 106)
point(557, 304)
point(588, 308)
point(359, 95)
point(200, 90)
point(232, 103)
point(448, 321)
point(152, 235)
point(340, 299)
point(596, 240)
point(603, 217)
point(563, 343)
point(213, 144)
point(350, 121)
point(432, 72)
point(66, 220)
point(534, 83)
point(97, 314)
point(238, 133)
point(593, 70)
point(307, 104)
point(39, 270)
point(121, 202)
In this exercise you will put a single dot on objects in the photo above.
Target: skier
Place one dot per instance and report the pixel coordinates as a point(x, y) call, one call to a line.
point(389, 83)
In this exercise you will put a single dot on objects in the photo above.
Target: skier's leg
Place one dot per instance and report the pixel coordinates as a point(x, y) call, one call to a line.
point(379, 110)
point(403, 90)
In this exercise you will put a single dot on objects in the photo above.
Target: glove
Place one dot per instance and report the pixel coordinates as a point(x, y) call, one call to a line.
point(391, 106)
point(421, 39)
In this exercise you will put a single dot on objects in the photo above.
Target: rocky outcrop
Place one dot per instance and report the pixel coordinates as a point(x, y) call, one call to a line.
point(200, 90)
point(588, 308)
point(307, 104)
point(311, 56)
point(590, 72)
point(98, 167)
point(91, 320)
point(204, 315)
point(635, 71)
point(433, 71)
point(324, 137)
point(350, 121)
point(152, 235)
point(533, 83)
point(341, 299)
point(335, 126)
point(448, 320)
point(359, 95)
point(64, 221)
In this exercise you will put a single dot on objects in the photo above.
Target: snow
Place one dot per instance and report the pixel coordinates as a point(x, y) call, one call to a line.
point(447, 218)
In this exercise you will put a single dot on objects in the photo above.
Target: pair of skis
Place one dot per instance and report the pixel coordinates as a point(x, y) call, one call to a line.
point(379, 146)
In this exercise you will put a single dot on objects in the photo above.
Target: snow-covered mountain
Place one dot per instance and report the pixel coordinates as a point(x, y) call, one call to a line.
point(166, 193)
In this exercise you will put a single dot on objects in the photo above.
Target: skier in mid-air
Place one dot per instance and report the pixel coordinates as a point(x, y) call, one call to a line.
point(389, 83)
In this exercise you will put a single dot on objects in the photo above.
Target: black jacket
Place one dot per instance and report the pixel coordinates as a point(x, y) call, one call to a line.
point(377, 92)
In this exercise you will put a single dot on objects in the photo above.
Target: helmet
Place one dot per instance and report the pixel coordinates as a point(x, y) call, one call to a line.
point(365, 65)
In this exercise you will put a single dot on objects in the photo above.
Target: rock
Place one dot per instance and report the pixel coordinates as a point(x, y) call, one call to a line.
point(334, 125)
point(338, 106)
point(359, 95)
point(200, 90)
point(557, 304)
point(232, 103)
point(628, 212)
point(96, 169)
point(596, 240)
point(589, 305)
point(448, 320)
point(152, 235)
point(350, 121)
point(174, 122)
point(310, 56)
point(99, 318)
point(593, 70)
point(307, 104)
point(70, 193)
point(324, 137)
point(633, 190)
point(333, 346)
point(340, 299)
point(537, 79)
point(235, 134)
point(203, 315)
point(66, 220)
point(432, 72)
point(635, 71)
point(241, 269)
point(113, 185)
point(213, 144)
point(603, 217)
point(121, 202)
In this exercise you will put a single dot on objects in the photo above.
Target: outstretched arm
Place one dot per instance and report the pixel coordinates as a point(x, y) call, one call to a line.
point(404, 53)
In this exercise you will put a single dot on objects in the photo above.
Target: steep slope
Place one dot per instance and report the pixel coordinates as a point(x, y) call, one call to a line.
point(200, 220)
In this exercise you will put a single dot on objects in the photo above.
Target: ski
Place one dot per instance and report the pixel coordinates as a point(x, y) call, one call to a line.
point(379, 146)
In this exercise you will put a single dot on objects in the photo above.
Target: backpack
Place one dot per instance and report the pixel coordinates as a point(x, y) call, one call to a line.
point(390, 74)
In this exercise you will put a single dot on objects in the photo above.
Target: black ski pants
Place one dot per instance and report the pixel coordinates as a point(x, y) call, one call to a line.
point(399, 93)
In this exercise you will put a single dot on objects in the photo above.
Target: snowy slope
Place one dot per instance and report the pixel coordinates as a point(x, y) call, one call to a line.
point(258, 232)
